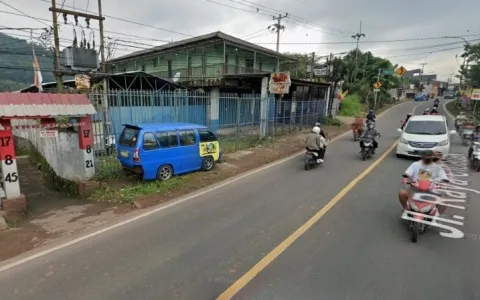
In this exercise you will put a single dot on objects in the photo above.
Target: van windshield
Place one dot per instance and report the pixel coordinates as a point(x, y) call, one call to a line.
point(426, 127)
point(129, 137)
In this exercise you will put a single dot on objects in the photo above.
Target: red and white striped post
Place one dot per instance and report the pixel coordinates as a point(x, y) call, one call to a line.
point(10, 177)
point(85, 142)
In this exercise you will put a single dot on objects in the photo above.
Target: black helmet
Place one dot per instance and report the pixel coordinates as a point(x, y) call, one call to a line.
point(477, 126)
point(409, 114)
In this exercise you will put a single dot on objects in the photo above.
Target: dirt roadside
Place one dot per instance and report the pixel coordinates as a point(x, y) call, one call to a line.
point(67, 218)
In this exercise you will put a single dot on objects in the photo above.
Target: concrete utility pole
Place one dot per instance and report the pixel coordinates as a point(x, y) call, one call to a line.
point(357, 36)
point(376, 93)
point(312, 64)
point(277, 27)
point(421, 72)
point(56, 39)
point(76, 14)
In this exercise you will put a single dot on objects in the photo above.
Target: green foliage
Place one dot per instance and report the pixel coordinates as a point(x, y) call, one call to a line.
point(471, 74)
point(351, 106)
point(303, 60)
point(16, 63)
point(331, 121)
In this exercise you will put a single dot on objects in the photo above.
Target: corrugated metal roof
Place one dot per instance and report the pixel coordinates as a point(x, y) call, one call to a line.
point(44, 105)
point(200, 38)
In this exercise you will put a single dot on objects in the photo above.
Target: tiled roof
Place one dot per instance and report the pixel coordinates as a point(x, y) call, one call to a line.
point(44, 105)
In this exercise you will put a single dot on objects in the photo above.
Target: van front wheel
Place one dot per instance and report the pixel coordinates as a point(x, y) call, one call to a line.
point(208, 163)
point(164, 173)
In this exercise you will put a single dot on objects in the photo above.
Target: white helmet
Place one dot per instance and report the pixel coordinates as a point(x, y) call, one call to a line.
point(316, 129)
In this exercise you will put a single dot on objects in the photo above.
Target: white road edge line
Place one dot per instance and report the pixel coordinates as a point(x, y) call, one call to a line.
point(168, 205)
point(446, 110)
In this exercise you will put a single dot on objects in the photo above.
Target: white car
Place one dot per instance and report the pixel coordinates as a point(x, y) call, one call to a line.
point(424, 132)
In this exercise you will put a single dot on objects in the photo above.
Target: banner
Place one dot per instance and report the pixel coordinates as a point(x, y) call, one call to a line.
point(280, 83)
point(475, 94)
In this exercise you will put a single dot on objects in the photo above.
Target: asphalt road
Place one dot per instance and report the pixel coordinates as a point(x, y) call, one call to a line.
point(360, 249)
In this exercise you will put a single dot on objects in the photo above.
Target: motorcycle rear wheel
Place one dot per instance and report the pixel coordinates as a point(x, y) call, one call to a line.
point(307, 163)
point(477, 165)
point(364, 155)
point(415, 231)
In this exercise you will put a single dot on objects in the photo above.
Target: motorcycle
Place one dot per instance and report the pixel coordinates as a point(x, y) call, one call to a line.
point(367, 151)
point(459, 125)
point(357, 128)
point(418, 209)
point(310, 160)
point(467, 133)
point(475, 157)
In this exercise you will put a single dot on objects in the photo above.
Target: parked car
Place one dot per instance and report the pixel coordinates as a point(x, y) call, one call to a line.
point(449, 95)
point(424, 132)
point(162, 150)
point(420, 97)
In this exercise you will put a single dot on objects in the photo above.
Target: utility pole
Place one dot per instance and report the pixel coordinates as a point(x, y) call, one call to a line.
point(76, 14)
point(277, 27)
point(421, 72)
point(312, 66)
point(56, 39)
point(357, 36)
point(376, 93)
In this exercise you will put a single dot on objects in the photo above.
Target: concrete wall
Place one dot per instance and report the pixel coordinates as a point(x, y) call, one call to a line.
point(62, 152)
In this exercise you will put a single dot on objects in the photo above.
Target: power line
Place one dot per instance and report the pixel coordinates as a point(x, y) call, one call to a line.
point(96, 29)
point(24, 14)
point(371, 42)
point(132, 22)
point(294, 17)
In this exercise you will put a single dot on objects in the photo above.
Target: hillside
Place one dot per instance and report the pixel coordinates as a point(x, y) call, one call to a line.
point(16, 69)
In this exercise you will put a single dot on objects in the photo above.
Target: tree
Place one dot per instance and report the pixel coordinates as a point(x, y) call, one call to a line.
point(471, 75)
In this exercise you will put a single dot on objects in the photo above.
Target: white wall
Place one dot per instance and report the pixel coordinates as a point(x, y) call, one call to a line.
point(61, 152)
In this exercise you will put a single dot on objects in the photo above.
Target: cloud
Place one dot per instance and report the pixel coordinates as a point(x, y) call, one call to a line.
point(310, 22)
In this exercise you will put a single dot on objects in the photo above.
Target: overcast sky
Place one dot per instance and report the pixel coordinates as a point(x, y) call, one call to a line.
point(312, 24)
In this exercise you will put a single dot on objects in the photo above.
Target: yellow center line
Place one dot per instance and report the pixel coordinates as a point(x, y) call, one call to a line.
point(270, 257)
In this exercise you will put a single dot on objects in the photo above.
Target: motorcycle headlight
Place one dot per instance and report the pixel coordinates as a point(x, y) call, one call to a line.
point(443, 143)
point(403, 141)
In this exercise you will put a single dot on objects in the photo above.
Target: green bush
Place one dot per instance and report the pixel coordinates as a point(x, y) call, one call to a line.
point(351, 106)
point(330, 121)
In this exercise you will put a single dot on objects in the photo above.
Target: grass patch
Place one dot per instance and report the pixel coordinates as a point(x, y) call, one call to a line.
point(108, 168)
point(129, 193)
point(331, 121)
point(11, 223)
point(351, 106)
point(230, 144)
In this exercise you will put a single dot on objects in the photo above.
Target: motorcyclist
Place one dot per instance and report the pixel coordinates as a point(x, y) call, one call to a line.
point(370, 133)
point(475, 138)
point(406, 120)
point(434, 111)
point(436, 102)
point(426, 168)
point(371, 116)
point(314, 142)
point(322, 133)
point(426, 111)
point(461, 117)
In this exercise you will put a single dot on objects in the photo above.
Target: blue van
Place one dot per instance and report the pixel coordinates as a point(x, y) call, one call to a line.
point(162, 150)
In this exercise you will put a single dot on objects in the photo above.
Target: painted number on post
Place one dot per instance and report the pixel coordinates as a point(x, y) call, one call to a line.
point(11, 177)
point(86, 133)
point(5, 141)
point(8, 160)
point(88, 164)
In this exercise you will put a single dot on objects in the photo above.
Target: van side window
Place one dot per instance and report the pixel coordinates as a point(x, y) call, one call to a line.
point(187, 137)
point(149, 141)
point(206, 136)
point(167, 139)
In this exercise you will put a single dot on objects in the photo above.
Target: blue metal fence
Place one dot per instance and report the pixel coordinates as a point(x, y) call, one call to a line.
point(238, 116)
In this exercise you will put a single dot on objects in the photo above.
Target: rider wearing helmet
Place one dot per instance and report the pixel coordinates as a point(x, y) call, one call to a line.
point(423, 169)
point(406, 120)
point(426, 111)
point(371, 116)
point(322, 133)
point(434, 111)
point(314, 142)
point(370, 133)
point(475, 138)
point(436, 102)
point(461, 117)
